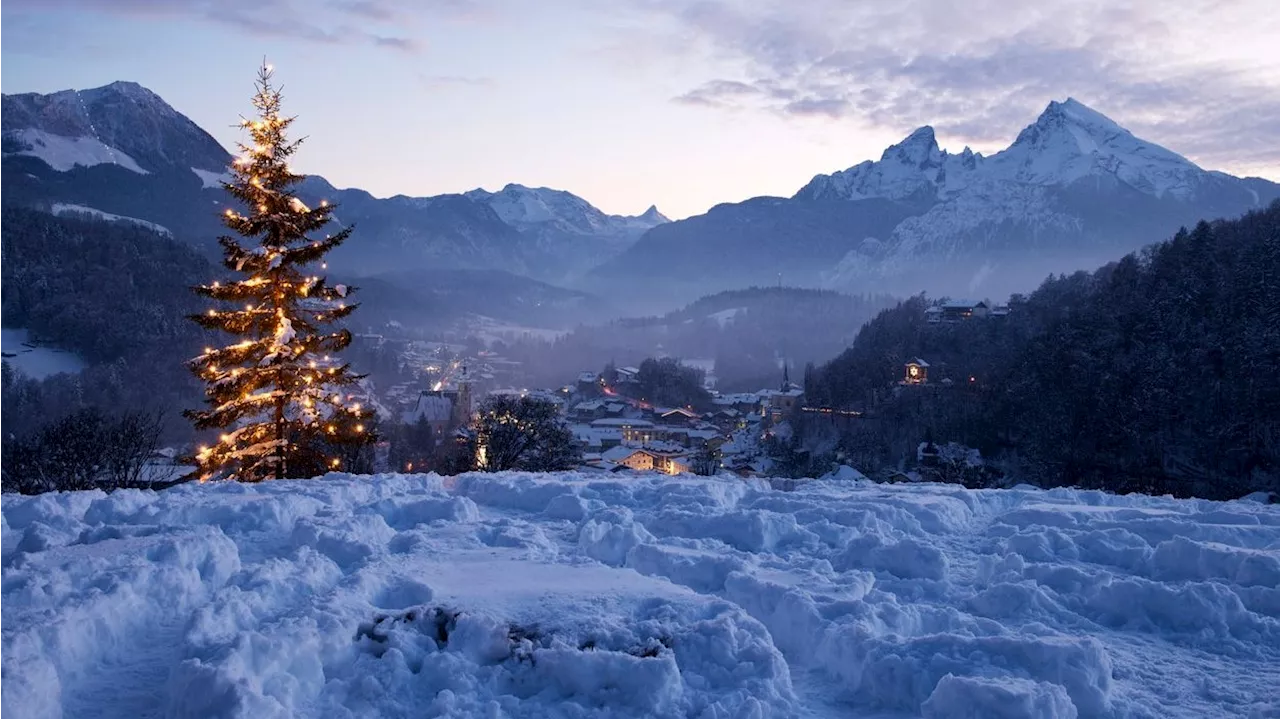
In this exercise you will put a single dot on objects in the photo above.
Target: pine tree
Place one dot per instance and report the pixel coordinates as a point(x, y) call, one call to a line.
point(282, 399)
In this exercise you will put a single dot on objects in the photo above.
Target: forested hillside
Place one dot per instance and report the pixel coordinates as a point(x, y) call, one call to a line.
point(1158, 372)
point(113, 292)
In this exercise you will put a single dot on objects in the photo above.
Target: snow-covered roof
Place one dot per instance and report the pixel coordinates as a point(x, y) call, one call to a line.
point(588, 377)
point(740, 398)
point(589, 406)
point(918, 361)
point(432, 408)
point(963, 304)
point(621, 422)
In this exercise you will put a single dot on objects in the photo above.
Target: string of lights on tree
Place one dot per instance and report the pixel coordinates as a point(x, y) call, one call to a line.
point(280, 397)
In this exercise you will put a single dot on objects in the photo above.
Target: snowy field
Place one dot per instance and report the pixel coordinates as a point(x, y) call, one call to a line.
point(567, 596)
point(34, 360)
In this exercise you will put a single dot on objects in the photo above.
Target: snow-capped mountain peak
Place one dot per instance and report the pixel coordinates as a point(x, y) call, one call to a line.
point(1067, 143)
point(122, 123)
point(525, 207)
point(1070, 142)
point(920, 148)
point(914, 168)
point(652, 216)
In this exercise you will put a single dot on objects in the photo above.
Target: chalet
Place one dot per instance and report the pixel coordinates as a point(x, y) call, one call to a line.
point(917, 372)
point(668, 460)
point(615, 409)
point(632, 457)
point(933, 314)
point(961, 310)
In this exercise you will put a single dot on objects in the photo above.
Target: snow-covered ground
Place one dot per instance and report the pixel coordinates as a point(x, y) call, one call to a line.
point(571, 596)
point(34, 360)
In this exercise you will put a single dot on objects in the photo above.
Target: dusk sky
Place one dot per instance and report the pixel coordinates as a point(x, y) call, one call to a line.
point(679, 103)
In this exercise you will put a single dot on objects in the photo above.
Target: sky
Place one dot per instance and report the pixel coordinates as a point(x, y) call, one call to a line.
point(680, 103)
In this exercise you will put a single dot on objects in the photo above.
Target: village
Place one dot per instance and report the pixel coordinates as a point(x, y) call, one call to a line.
point(615, 427)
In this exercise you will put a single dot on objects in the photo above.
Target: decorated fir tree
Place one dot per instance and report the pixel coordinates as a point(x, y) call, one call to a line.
point(284, 403)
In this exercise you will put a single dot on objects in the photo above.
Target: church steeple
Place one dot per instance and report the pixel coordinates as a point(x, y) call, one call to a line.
point(786, 376)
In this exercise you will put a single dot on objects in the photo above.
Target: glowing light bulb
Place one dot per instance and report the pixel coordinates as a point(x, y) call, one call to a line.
point(359, 427)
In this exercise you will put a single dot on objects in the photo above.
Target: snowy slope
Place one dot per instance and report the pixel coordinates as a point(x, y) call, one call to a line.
point(563, 596)
point(63, 153)
point(62, 208)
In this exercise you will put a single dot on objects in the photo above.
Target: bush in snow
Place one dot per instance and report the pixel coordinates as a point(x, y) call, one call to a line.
point(85, 450)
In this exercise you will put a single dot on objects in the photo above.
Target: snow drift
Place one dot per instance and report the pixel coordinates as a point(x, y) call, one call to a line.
point(566, 595)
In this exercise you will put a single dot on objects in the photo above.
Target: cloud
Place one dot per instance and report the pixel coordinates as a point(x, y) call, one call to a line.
point(338, 22)
point(1200, 77)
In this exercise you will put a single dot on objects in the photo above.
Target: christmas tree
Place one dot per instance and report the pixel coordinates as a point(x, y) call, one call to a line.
point(283, 401)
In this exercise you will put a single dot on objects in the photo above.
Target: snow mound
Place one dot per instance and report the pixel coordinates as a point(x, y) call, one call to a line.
point(568, 595)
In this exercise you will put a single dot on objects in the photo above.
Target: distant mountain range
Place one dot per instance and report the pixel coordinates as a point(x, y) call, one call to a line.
point(121, 150)
point(1073, 191)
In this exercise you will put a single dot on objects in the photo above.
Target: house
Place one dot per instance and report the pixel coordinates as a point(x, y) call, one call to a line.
point(933, 314)
point(960, 310)
point(615, 409)
point(627, 375)
point(588, 411)
point(595, 439)
point(631, 457)
point(917, 372)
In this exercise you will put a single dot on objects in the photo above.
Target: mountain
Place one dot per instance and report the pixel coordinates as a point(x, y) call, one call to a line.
point(1073, 189)
point(565, 226)
point(123, 124)
point(120, 150)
